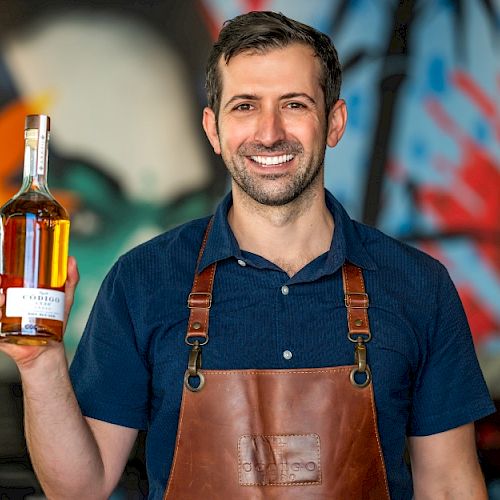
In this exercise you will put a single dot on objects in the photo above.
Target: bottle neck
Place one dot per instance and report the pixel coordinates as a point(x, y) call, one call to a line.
point(36, 145)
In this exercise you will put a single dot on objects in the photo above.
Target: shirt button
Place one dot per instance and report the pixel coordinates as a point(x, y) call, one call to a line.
point(287, 354)
point(242, 263)
point(284, 290)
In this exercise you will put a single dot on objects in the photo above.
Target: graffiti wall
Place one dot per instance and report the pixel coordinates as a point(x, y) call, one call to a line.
point(123, 84)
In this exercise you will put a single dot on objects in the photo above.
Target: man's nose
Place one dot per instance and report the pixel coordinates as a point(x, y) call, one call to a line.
point(270, 127)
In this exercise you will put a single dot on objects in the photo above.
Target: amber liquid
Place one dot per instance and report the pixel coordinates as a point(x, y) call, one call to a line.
point(35, 233)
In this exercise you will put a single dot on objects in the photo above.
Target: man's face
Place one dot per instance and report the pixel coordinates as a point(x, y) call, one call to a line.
point(272, 125)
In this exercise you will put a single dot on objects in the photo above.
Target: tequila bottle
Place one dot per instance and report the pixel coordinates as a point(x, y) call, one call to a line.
point(34, 237)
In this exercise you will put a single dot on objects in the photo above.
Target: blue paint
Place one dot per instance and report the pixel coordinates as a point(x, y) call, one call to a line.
point(418, 149)
point(436, 75)
point(481, 131)
point(354, 103)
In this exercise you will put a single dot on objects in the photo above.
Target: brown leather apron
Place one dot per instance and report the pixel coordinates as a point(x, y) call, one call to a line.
point(277, 434)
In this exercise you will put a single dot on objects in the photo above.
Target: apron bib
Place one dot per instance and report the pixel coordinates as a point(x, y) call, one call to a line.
point(298, 434)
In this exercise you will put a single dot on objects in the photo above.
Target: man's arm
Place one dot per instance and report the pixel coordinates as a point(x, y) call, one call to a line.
point(73, 457)
point(445, 466)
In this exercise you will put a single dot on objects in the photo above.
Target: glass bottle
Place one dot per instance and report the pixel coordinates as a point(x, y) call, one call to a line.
point(34, 238)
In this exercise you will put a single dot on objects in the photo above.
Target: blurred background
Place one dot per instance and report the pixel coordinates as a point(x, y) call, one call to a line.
point(123, 82)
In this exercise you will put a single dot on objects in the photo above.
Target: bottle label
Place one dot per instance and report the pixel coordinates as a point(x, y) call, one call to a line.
point(35, 303)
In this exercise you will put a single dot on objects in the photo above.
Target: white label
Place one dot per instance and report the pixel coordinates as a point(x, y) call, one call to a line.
point(35, 302)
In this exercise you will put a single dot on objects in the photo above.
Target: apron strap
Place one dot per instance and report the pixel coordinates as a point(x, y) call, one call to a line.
point(200, 299)
point(356, 302)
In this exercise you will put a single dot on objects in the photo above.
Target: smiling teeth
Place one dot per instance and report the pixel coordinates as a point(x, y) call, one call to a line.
point(271, 160)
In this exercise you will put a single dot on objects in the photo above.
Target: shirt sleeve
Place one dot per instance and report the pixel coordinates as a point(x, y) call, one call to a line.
point(109, 375)
point(449, 389)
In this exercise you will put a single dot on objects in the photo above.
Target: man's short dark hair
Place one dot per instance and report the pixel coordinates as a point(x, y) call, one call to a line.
point(262, 31)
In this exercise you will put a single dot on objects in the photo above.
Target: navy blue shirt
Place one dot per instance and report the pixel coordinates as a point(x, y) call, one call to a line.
point(130, 363)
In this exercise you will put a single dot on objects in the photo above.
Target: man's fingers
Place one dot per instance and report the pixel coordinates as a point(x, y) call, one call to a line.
point(73, 275)
point(2, 296)
point(70, 286)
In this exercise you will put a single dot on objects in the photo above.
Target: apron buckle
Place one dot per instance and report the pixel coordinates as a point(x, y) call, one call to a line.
point(194, 365)
point(362, 366)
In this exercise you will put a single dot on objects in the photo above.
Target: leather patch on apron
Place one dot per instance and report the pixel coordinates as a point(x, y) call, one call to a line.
point(283, 459)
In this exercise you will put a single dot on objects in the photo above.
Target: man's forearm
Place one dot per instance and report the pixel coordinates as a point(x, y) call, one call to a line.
point(62, 447)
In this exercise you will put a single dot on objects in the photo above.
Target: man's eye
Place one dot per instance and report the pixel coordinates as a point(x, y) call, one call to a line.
point(243, 107)
point(296, 105)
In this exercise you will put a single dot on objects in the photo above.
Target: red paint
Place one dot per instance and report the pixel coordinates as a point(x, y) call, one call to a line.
point(255, 5)
point(212, 23)
point(475, 93)
point(483, 324)
point(487, 105)
point(469, 202)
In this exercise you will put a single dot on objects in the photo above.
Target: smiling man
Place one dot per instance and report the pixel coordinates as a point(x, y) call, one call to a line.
point(328, 347)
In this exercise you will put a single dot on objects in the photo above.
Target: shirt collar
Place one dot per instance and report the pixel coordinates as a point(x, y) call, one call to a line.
point(347, 243)
point(221, 243)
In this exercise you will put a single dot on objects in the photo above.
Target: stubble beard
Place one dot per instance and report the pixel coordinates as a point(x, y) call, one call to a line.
point(258, 187)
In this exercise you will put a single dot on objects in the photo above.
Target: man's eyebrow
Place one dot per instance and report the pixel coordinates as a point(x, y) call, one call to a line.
point(294, 95)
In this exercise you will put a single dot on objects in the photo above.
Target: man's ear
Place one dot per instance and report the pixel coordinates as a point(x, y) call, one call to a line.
point(210, 126)
point(337, 120)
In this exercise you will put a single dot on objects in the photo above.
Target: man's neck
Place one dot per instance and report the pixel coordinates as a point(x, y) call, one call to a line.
point(290, 236)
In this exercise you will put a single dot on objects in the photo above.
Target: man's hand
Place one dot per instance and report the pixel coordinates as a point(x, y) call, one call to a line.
point(25, 355)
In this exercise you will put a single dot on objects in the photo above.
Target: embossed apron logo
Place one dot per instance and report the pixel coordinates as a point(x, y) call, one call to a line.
point(279, 460)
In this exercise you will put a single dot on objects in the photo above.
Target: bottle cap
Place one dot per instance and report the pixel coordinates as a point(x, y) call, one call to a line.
point(34, 121)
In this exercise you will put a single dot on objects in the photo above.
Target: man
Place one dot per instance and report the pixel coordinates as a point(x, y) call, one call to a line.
point(327, 346)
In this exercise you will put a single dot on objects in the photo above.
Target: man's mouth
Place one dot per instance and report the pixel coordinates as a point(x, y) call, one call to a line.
point(270, 161)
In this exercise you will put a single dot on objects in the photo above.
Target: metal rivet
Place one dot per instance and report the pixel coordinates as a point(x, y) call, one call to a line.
point(358, 322)
point(196, 325)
